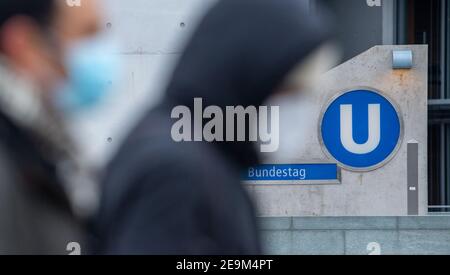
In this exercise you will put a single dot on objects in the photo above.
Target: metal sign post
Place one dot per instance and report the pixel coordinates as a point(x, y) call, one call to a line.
point(413, 178)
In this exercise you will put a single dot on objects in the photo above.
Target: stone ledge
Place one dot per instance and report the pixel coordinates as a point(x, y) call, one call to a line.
point(345, 223)
point(355, 223)
point(424, 223)
point(275, 223)
point(352, 235)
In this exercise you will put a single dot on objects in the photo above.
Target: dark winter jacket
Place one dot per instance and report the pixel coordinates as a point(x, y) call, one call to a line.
point(163, 197)
point(35, 213)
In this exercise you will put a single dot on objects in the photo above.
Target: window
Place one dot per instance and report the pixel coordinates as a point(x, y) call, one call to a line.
point(409, 22)
point(428, 22)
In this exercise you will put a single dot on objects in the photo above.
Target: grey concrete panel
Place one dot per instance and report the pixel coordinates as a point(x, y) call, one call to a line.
point(344, 223)
point(276, 242)
point(318, 236)
point(359, 242)
point(151, 35)
point(424, 242)
point(422, 223)
point(273, 223)
point(325, 242)
point(354, 36)
point(154, 27)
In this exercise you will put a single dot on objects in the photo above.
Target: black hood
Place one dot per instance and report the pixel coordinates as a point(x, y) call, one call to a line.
point(240, 53)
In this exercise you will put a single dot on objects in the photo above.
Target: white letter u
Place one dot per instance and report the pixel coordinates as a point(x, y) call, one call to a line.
point(347, 130)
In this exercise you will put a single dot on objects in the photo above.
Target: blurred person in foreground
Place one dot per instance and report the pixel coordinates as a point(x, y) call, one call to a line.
point(49, 52)
point(164, 197)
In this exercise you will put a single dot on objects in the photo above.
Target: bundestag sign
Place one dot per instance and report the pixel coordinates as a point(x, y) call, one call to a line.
point(301, 173)
point(367, 153)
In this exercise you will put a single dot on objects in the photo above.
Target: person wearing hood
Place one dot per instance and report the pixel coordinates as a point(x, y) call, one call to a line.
point(161, 196)
point(48, 59)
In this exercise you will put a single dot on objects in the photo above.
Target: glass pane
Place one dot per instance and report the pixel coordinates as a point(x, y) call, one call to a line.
point(424, 26)
point(446, 166)
point(439, 167)
point(434, 194)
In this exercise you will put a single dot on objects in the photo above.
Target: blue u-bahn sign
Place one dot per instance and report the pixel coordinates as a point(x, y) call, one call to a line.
point(361, 129)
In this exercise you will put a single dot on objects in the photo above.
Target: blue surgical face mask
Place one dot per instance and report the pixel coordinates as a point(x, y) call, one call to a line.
point(92, 65)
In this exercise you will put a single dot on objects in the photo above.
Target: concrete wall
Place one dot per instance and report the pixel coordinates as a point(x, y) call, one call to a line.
point(152, 32)
point(382, 192)
point(151, 35)
point(356, 236)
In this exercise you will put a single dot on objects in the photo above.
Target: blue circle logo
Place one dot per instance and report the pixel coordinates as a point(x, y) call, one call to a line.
point(361, 129)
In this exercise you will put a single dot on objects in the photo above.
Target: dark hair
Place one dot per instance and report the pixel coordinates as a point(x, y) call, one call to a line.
point(41, 11)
